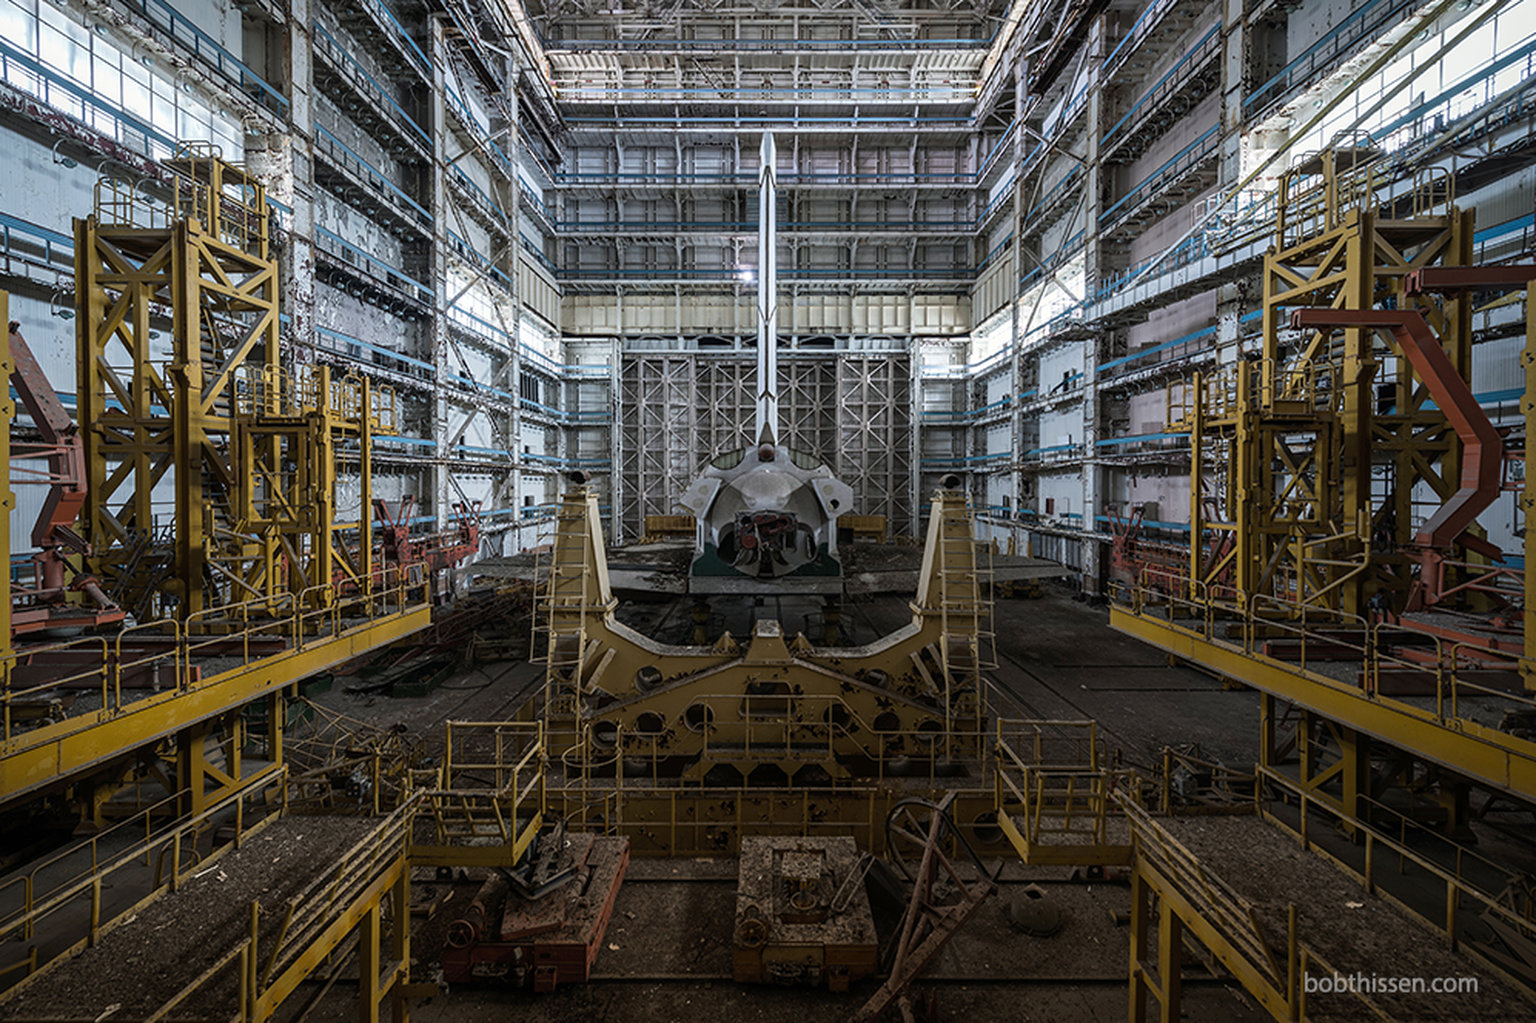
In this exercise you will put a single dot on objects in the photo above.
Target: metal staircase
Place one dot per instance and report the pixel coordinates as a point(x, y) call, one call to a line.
point(572, 591)
point(965, 615)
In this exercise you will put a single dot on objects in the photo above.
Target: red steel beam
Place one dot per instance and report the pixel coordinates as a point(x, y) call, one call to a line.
point(1441, 280)
point(66, 450)
point(1483, 448)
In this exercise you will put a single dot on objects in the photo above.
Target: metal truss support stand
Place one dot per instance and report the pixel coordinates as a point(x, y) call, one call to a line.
point(1159, 978)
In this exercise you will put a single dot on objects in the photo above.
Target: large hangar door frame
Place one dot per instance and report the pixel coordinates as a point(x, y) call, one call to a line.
point(677, 411)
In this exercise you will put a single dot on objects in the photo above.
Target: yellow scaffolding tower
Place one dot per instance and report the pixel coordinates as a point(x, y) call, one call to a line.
point(1317, 447)
point(210, 424)
point(251, 584)
point(1307, 458)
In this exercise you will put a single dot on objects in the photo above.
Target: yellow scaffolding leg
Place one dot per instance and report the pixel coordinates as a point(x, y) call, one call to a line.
point(1160, 979)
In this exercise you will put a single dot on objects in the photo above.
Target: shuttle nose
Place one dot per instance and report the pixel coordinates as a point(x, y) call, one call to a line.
point(766, 489)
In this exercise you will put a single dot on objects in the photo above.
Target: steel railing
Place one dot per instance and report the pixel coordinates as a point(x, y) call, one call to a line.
point(1409, 850)
point(1322, 635)
point(170, 851)
point(302, 621)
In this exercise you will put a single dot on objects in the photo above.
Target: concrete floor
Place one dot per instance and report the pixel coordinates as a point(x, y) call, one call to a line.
point(1058, 658)
point(666, 956)
point(1062, 660)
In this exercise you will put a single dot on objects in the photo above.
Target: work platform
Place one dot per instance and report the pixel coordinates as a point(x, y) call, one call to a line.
point(221, 914)
point(1456, 727)
point(225, 912)
point(1281, 920)
point(191, 948)
point(110, 719)
point(868, 568)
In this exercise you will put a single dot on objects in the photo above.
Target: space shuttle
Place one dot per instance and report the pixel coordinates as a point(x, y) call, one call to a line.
point(767, 514)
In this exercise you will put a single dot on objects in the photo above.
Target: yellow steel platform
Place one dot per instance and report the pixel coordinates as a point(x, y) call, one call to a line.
point(1480, 752)
point(34, 758)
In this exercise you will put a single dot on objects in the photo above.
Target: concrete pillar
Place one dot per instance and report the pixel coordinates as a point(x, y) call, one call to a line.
point(442, 417)
point(1017, 434)
point(1236, 38)
point(511, 265)
point(1093, 485)
point(284, 163)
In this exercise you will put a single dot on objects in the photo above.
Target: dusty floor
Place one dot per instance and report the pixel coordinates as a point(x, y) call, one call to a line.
point(667, 956)
point(1057, 657)
point(723, 1002)
point(667, 952)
